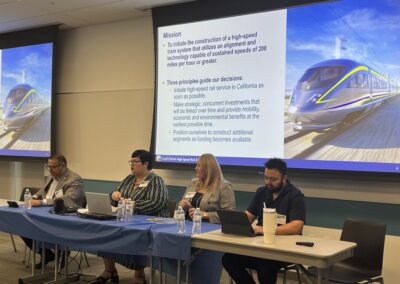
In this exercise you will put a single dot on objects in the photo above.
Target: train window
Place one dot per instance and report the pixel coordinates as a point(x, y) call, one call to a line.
point(330, 73)
point(379, 83)
point(17, 94)
point(309, 75)
point(359, 81)
point(315, 78)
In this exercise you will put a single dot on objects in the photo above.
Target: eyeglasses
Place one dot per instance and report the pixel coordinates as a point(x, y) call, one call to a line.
point(135, 161)
point(53, 167)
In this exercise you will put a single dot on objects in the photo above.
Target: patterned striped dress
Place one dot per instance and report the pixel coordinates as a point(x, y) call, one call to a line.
point(151, 198)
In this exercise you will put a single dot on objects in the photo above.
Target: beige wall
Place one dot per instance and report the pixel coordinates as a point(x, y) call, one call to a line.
point(105, 96)
point(16, 175)
point(6, 182)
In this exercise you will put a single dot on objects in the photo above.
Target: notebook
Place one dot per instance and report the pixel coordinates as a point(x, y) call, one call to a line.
point(236, 223)
point(98, 207)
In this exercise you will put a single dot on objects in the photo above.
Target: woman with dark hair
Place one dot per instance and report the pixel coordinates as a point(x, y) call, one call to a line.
point(150, 194)
point(209, 191)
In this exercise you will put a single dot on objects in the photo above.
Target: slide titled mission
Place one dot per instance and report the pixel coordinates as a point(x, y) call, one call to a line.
point(221, 87)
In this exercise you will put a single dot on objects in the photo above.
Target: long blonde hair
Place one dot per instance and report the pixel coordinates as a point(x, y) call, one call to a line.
point(213, 172)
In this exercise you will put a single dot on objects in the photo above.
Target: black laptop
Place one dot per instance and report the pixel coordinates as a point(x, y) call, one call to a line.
point(236, 223)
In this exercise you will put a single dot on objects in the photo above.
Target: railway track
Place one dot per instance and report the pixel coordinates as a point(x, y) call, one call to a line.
point(5, 133)
point(295, 136)
point(326, 137)
point(17, 134)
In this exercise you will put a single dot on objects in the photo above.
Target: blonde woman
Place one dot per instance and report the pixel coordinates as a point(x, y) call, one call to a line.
point(208, 191)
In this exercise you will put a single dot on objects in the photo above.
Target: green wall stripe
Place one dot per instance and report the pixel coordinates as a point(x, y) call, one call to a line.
point(331, 213)
point(100, 186)
point(321, 212)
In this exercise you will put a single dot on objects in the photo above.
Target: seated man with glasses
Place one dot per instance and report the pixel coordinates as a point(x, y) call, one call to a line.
point(62, 183)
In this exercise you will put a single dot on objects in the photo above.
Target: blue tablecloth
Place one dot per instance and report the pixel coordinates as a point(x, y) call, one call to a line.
point(139, 237)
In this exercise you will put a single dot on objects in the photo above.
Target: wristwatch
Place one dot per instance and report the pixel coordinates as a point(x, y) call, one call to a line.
point(205, 215)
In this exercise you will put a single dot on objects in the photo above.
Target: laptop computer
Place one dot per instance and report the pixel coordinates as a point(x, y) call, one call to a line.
point(236, 223)
point(98, 207)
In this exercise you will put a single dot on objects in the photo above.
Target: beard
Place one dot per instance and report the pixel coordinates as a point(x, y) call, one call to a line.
point(275, 189)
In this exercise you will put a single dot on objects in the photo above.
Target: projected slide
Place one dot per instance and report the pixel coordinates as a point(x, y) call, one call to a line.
point(343, 74)
point(219, 82)
point(317, 85)
point(26, 86)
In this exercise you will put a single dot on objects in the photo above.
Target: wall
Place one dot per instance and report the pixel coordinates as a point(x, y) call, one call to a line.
point(16, 175)
point(104, 111)
point(7, 186)
point(105, 96)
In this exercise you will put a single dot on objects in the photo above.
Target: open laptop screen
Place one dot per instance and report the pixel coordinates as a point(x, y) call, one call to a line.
point(98, 206)
point(235, 222)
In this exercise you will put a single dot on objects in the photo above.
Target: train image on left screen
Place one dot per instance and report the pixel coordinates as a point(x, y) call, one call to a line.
point(22, 104)
point(335, 91)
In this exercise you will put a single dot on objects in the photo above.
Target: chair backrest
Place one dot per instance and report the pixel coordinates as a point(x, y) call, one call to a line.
point(171, 207)
point(33, 191)
point(370, 239)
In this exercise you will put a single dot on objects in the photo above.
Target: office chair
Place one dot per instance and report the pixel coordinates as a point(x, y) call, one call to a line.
point(291, 267)
point(78, 257)
point(171, 207)
point(366, 264)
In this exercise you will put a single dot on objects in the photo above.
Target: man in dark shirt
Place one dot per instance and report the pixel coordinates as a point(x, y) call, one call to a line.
point(288, 201)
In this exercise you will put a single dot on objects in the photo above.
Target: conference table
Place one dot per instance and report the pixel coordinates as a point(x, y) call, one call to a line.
point(148, 239)
point(322, 255)
point(145, 239)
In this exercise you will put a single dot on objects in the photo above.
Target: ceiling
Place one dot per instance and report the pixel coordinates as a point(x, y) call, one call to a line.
point(24, 14)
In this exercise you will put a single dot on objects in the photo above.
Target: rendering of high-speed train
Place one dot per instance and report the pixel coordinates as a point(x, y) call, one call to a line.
point(334, 91)
point(22, 104)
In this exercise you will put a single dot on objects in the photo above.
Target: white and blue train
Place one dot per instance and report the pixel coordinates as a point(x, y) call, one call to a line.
point(22, 104)
point(331, 92)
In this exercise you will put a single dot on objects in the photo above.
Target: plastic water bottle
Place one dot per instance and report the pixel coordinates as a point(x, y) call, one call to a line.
point(121, 209)
point(128, 210)
point(196, 229)
point(28, 199)
point(180, 226)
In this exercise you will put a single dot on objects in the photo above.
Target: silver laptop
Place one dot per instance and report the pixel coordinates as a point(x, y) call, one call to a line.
point(98, 207)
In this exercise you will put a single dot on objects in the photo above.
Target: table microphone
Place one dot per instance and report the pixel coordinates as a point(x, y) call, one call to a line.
point(58, 205)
